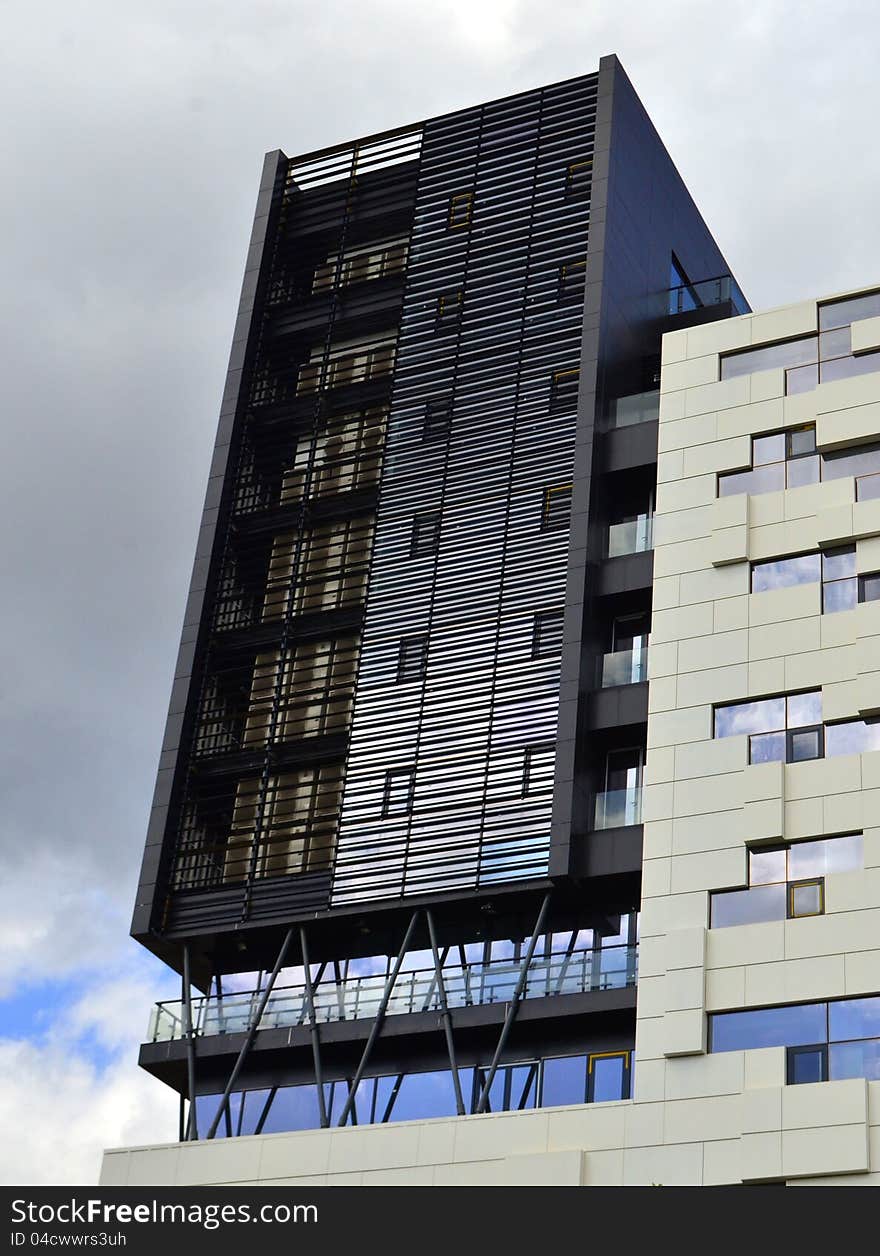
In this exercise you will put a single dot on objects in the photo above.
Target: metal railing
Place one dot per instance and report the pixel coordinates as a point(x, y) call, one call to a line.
point(632, 537)
point(707, 292)
point(616, 808)
point(636, 408)
point(358, 998)
point(625, 667)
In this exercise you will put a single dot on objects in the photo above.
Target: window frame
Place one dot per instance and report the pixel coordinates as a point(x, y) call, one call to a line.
point(452, 221)
point(562, 393)
point(791, 1053)
point(574, 177)
point(792, 886)
point(624, 1054)
point(539, 623)
point(404, 647)
point(529, 753)
point(553, 492)
point(418, 546)
point(572, 280)
point(449, 308)
point(407, 809)
point(437, 418)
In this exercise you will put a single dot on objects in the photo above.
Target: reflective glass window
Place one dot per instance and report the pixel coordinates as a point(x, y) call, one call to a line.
point(868, 488)
point(800, 441)
point(846, 368)
point(807, 1064)
point(804, 744)
point(869, 587)
point(767, 866)
point(801, 471)
point(791, 353)
point(806, 898)
point(784, 572)
point(804, 708)
point(607, 1078)
point(840, 595)
point(768, 449)
point(731, 483)
point(801, 379)
point(748, 907)
point(862, 461)
point(750, 717)
point(828, 854)
point(854, 1018)
point(424, 1095)
point(767, 748)
point(852, 737)
point(293, 1108)
point(835, 344)
point(412, 658)
point(854, 1059)
point(768, 1027)
point(850, 310)
point(564, 1081)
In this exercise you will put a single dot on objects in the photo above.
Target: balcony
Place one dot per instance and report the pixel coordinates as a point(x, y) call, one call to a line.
point(617, 808)
point(634, 536)
point(624, 667)
point(722, 290)
point(641, 407)
point(611, 968)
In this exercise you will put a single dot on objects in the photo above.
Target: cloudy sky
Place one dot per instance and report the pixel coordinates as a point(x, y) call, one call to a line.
point(133, 136)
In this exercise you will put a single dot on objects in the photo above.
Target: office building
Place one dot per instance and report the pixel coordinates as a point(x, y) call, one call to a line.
point(430, 856)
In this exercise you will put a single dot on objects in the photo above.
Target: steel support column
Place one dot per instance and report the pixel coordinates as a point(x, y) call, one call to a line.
point(313, 1027)
point(376, 1028)
point(513, 1006)
point(445, 1013)
point(251, 1033)
point(192, 1125)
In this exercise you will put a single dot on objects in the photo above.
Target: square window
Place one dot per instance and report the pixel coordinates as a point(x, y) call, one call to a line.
point(800, 471)
point(438, 418)
point(556, 511)
point(838, 563)
point(578, 177)
point(425, 538)
point(460, 208)
point(806, 898)
point(839, 595)
point(767, 866)
point(547, 634)
point(869, 587)
point(804, 709)
point(801, 441)
point(806, 1064)
point(767, 748)
point(804, 744)
point(399, 790)
point(800, 379)
point(412, 659)
point(767, 449)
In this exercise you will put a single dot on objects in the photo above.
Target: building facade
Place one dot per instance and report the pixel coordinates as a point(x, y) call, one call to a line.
point(435, 864)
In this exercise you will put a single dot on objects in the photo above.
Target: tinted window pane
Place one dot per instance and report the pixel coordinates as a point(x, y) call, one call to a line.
point(840, 595)
point(841, 313)
point(835, 344)
point(424, 1095)
point(802, 471)
point(294, 1108)
point(852, 737)
point(839, 563)
point(854, 1018)
point(801, 441)
point(806, 1066)
point(830, 854)
point(769, 479)
point(792, 353)
point(748, 907)
point(854, 1059)
point(750, 717)
point(805, 900)
point(804, 708)
point(766, 866)
point(864, 461)
point(565, 1081)
point(845, 368)
point(871, 586)
point(804, 745)
point(738, 482)
point(768, 449)
point(768, 1027)
point(785, 572)
point(868, 488)
point(608, 1079)
point(767, 748)
point(801, 379)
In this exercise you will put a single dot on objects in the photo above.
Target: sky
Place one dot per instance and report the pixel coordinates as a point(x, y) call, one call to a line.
point(133, 137)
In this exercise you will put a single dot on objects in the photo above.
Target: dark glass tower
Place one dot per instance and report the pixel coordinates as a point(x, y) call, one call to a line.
point(396, 844)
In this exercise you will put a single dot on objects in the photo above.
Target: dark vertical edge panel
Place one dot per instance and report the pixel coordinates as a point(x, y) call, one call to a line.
point(243, 339)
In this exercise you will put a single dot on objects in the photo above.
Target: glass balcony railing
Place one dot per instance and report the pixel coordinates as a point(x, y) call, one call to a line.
point(625, 667)
point(717, 291)
point(613, 967)
point(615, 808)
point(636, 408)
point(632, 537)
